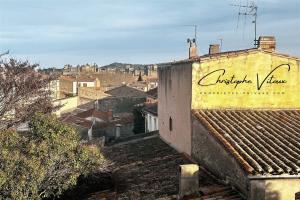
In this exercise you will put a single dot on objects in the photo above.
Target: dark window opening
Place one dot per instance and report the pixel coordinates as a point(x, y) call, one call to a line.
point(170, 124)
point(297, 196)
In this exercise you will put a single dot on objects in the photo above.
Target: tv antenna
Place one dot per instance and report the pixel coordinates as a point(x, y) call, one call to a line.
point(195, 31)
point(249, 10)
point(221, 43)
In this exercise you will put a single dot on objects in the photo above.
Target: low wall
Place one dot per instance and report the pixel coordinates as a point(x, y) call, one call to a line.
point(275, 189)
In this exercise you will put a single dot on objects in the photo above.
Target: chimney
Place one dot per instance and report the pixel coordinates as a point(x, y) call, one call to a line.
point(188, 180)
point(193, 52)
point(267, 43)
point(214, 48)
point(110, 114)
point(97, 83)
point(118, 131)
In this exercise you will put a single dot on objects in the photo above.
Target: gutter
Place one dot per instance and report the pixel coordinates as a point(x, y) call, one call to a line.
point(258, 177)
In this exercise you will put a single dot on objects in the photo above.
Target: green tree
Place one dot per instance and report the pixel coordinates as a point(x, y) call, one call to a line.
point(138, 120)
point(45, 161)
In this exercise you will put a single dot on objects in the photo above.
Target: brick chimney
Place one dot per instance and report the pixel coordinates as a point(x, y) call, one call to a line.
point(193, 51)
point(214, 48)
point(267, 43)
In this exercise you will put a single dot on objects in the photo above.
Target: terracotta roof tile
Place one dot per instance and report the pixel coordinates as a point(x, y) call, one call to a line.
point(262, 141)
point(73, 120)
point(95, 113)
point(151, 108)
point(152, 93)
point(125, 91)
point(228, 54)
point(148, 169)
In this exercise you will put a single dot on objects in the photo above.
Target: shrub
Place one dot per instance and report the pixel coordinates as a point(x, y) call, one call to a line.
point(45, 161)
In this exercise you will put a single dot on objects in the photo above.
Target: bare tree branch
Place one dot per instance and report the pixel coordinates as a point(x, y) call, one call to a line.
point(23, 92)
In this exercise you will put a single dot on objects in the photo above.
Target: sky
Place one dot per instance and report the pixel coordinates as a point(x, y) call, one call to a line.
point(58, 32)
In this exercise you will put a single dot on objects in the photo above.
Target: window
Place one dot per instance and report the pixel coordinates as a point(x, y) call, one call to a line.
point(297, 196)
point(170, 124)
point(84, 84)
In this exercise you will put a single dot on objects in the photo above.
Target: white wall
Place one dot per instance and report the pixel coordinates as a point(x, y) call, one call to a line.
point(80, 83)
point(151, 123)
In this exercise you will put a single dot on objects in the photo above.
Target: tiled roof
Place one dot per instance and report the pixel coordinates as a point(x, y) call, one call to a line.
point(148, 168)
point(152, 93)
point(74, 120)
point(120, 119)
point(151, 108)
point(95, 113)
point(125, 91)
point(218, 192)
point(262, 141)
point(79, 79)
point(228, 54)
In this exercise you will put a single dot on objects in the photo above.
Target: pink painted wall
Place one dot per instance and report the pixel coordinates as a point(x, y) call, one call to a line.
point(174, 97)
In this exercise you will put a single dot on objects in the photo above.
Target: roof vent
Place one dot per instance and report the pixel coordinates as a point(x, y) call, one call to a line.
point(267, 43)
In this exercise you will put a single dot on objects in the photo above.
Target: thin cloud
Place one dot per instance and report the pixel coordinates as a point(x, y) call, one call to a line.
point(57, 32)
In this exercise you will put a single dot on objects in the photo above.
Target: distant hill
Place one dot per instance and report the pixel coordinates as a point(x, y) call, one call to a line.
point(117, 65)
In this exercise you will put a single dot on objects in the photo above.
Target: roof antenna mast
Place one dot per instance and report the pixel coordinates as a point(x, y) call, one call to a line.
point(250, 10)
point(193, 52)
point(195, 31)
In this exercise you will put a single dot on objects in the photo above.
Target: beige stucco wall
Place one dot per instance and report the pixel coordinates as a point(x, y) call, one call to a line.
point(274, 189)
point(212, 95)
point(174, 97)
point(65, 87)
point(91, 93)
point(68, 104)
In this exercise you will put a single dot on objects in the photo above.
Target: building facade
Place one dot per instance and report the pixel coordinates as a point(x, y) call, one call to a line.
point(151, 118)
point(68, 85)
point(237, 114)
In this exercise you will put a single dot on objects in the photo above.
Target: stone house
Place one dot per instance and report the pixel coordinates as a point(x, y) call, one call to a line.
point(68, 85)
point(152, 95)
point(93, 124)
point(150, 111)
point(237, 113)
point(121, 99)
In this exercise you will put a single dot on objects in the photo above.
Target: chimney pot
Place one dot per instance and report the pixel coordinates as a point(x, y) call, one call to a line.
point(118, 131)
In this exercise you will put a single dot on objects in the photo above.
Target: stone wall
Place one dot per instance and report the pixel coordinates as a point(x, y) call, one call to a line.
point(208, 152)
point(110, 131)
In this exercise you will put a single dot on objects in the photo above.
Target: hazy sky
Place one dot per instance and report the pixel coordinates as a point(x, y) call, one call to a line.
point(57, 32)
